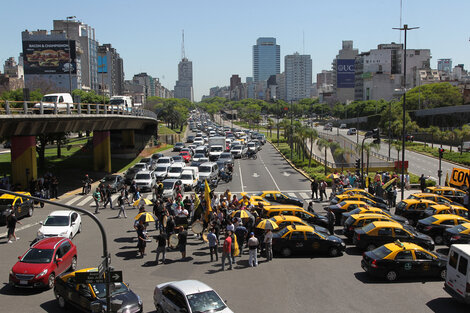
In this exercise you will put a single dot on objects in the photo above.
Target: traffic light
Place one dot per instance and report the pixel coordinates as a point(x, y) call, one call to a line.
point(358, 166)
point(376, 135)
point(441, 153)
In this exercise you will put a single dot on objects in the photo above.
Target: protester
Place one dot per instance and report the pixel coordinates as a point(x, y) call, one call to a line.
point(268, 242)
point(141, 237)
point(11, 226)
point(253, 250)
point(213, 243)
point(121, 200)
point(161, 248)
point(227, 250)
point(97, 198)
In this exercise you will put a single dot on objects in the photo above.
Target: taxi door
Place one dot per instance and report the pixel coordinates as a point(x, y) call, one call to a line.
point(405, 263)
point(426, 264)
point(18, 205)
point(297, 241)
point(315, 242)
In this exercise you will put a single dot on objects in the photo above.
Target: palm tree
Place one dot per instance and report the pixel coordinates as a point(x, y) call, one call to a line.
point(368, 146)
point(325, 145)
point(311, 134)
point(270, 126)
point(397, 145)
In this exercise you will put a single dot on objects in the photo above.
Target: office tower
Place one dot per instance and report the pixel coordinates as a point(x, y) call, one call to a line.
point(266, 58)
point(298, 79)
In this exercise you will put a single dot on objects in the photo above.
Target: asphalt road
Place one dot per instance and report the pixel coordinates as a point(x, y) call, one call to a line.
point(299, 284)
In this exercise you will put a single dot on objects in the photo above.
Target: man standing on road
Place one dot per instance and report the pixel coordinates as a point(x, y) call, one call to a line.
point(97, 198)
point(241, 232)
point(422, 182)
point(323, 190)
point(227, 250)
point(314, 187)
point(331, 221)
point(268, 243)
point(11, 225)
point(107, 195)
point(161, 248)
point(121, 201)
point(253, 250)
point(213, 243)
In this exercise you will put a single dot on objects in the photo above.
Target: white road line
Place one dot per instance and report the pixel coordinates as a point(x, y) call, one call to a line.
point(86, 200)
point(74, 199)
point(4, 235)
point(291, 194)
point(269, 172)
point(114, 197)
point(304, 195)
point(241, 177)
point(149, 197)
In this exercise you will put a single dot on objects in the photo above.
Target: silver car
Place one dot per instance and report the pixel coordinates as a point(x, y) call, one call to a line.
point(145, 180)
point(189, 296)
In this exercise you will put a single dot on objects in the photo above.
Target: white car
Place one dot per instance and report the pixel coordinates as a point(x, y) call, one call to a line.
point(175, 170)
point(141, 166)
point(161, 171)
point(64, 223)
point(145, 180)
point(188, 180)
point(165, 160)
point(237, 151)
point(189, 296)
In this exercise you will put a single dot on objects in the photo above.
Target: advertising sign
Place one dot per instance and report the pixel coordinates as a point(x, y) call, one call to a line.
point(102, 64)
point(460, 177)
point(345, 73)
point(49, 57)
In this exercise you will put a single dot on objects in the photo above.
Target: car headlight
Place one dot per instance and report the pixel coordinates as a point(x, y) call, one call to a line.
point(139, 300)
point(40, 234)
point(63, 234)
point(42, 273)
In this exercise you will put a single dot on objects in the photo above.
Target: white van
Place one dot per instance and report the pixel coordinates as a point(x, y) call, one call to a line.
point(193, 169)
point(458, 272)
point(208, 170)
point(175, 170)
point(188, 179)
point(49, 102)
point(120, 103)
point(465, 146)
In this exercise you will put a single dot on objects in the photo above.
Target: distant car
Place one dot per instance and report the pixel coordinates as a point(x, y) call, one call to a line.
point(145, 180)
point(226, 157)
point(190, 139)
point(161, 171)
point(62, 223)
point(459, 234)
point(409, 137)
point(189, 296)
point(150, 163)
point(85, 296)
point(157, 156)
point(178, 159)
point(116, 182)
point(197, 156)
point(186, 156)
point(43, 262)
point(279, 197)
point(178, 146)
point(169, 187)
point(436, 225)
point(236, 151)
point(199, 161)
point(165, 161)
point(141, 166)
point(342, 126)
point(129, 175)
point(352, 131)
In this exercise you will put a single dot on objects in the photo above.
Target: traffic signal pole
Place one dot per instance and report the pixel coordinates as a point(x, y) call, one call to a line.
point(439, 171)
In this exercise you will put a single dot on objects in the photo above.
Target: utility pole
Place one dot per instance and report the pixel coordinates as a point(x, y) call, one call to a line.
point(406, 29)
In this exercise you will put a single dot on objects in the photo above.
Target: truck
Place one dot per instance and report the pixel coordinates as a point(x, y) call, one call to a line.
point(216, 147)
point(120, 103)
point(49, 102)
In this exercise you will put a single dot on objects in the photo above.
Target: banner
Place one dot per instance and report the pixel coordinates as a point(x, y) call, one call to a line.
point(460, 177)
point(345, 73)
point(49, 57)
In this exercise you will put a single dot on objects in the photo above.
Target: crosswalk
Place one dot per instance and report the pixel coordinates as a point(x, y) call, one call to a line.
point(87, 200)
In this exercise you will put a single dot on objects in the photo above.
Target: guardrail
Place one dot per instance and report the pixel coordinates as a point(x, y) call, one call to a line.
point(45, 108)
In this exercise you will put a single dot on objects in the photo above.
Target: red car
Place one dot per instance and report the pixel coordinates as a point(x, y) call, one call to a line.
point(45, 260)
point(186, 156)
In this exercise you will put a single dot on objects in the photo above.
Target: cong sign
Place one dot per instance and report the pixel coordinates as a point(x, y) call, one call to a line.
point(49, 57)
point(460, 177)
point(345, 73)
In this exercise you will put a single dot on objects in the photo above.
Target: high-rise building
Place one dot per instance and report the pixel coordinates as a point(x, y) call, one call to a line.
point(266, 58)
point(110, 71)
point(444, 65)
point(147, 81)
point(343, 72)
point(184, 84)
point(298, 71)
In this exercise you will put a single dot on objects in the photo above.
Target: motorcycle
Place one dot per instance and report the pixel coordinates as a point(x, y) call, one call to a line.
point(40, 194)
point(249, 155)
point(225, 176)
point(200, 187)
point(86, 187)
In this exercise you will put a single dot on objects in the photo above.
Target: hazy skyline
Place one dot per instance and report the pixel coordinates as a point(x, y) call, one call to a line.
point(219, 35)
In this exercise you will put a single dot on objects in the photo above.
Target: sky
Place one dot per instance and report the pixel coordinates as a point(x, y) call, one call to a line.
point(219, 34)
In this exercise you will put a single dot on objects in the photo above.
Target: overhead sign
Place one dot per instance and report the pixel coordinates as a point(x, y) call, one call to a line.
point(49, 57)
point(96, 278)
point(460, 177)
point(345, 73)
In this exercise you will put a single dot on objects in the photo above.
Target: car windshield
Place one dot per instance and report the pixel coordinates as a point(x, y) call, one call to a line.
point(282, 232)
point(142, 176)
point(381, 252)
point(145, 160)
point(116, 101)
point(176, 169)
point(237, 147)
point(428, 220)
point(225, 156)
point(100, 289)
point(205, 169)
point(38, 256)
point(178, 158)
point(163, 160)
point(6, 201)
point(198, 155)
point(368, 227)
point(207, 301)
point(460, 228)
point(57, 221)
point(187, 176)
point(161, 169)
point(49, 99)
point(355, 211)
point(167, 185)
point(216, 149)
point(139, 166)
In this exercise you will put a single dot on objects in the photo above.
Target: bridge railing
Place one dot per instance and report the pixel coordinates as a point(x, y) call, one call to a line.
point(34, 107)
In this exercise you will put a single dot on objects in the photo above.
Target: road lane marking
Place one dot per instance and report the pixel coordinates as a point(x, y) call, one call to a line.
point(4, 235)
point(86, 200)
point(74, 199)
point(291, 194)
point(269, 172)
point(256, 175)
point(304, 195)
point(241, 177)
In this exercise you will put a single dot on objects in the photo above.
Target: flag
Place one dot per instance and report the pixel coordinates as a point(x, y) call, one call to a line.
point(197, 201)
point(386, 185)
point(447, 179)
point(207, 197)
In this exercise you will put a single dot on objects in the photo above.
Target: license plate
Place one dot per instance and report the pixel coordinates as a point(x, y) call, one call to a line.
point(23, 282)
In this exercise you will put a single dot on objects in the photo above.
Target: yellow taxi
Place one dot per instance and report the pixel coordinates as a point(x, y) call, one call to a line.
point(369, 209)
point(413, 209)
point(254, 200)
point(379, 233)
point(436, 225)
point(86, 296)
point(305, 240)
point(363, 192)
point(279, 197)
point(20, 206)
point(451, 193)
point(285, 209)
point(403, 259)
point(344, 207)
point(359, 220)
point(430, 196)
point(459, 234)
point(288, 220)
point(358, 197)
point(446, 209)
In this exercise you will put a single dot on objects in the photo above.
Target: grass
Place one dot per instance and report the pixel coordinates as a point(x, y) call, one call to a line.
point(453, 156)
point(163, 130)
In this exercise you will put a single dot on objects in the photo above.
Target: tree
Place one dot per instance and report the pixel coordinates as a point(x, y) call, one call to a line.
point(324, 144)
point(368, 146)
point(433, 96)
point(312, 135)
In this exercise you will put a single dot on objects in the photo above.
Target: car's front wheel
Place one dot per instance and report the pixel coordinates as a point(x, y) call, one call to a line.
point(51, 281)
point(62, 302)
point(442, 274)
point(334, 251)
point(159, 309)
point(391, 276)
point(73, 266)
point(286, 252)
point(438, 239)
point(30, 211)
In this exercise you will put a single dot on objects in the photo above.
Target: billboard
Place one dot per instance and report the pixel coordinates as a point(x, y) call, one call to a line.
point(102, 64)
point(49, 57)
point(345, 73)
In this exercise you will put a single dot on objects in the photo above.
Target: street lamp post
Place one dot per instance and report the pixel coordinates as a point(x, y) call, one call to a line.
point(406, 29)
point(70, 53)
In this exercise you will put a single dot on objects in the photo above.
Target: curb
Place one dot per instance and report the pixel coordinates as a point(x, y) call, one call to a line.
point(436, 158)
point(290, 162)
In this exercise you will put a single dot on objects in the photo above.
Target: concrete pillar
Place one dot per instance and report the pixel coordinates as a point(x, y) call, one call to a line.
point(23, 160)
point(128, 138)
point(102, 151)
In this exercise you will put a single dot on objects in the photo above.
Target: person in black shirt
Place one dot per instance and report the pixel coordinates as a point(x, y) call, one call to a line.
point(108, 197)
point(161, 248)
point(11, 225)
point(170, 227)
point(121, 202)
point(182, 238)
point(141, 237)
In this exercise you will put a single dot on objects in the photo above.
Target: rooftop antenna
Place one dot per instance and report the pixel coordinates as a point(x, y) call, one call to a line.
point(183, 55)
